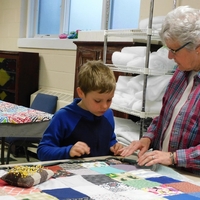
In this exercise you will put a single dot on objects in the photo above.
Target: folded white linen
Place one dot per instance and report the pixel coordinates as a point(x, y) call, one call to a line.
point(143, 24)
point(155, 94)
point(126, 130)
point(123, 99)
point(130, 89)
point(150, 106)
point(152, 80)
point(137, 62)
point(119, 58)
point(129, 98)
point(128, 135)
point(125, 124)
point(156, 80)
point(136, 82)
point(151, 95)
point(158, 62)
point(161, 62)
point(137, 50)
point(119, 100)
point(163, 52)
point(157, 26)
point(121, 84)
point(160, 97)
point(156, 86)
point(123, 141)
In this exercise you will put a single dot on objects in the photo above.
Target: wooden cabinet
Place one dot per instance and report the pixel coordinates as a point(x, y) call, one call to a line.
point(19, 76)
point(94, 51)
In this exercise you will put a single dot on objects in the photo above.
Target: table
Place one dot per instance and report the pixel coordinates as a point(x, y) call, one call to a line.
point(162, 169)
point(20, 121)
point(82, 180)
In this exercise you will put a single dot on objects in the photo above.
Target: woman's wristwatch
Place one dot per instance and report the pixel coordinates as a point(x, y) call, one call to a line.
point(172, 158)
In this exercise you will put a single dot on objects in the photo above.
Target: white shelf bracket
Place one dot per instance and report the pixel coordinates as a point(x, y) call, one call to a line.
point(146, 71)
point(142, 115)
point(149, 31)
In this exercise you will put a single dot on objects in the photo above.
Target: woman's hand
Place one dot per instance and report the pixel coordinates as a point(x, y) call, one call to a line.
point(116, 148)
point(79, 149)
point(142, 145)
point(154, 157)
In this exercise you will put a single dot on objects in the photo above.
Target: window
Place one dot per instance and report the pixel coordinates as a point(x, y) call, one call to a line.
point(88, 18)
point(63, 16)
point(49, 18)
point(124, 14)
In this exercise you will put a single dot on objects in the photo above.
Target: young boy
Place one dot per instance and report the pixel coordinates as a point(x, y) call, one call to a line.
point(85, 128)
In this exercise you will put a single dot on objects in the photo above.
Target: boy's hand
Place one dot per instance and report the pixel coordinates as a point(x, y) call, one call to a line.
point(79, 149)
point(115, 148)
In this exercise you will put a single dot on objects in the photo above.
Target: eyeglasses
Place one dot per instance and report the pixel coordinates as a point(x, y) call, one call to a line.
point(175, 51)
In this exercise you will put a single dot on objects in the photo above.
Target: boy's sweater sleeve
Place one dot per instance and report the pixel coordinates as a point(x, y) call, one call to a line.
point(110, 117)
point(49, 147)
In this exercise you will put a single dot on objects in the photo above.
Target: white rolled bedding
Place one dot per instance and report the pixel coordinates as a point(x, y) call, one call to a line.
point(129, 92)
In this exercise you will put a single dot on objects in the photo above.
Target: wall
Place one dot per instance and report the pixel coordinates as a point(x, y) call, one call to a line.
point(162, 7)
point(57, 66)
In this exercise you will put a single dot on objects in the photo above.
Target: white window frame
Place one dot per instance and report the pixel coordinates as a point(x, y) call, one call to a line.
point(33, 7)
point(28, 39)
point(26, 36)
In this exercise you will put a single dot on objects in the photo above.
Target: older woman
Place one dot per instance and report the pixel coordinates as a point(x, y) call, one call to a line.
point(174, 135)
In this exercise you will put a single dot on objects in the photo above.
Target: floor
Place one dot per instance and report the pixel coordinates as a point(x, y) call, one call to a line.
point(21, 157)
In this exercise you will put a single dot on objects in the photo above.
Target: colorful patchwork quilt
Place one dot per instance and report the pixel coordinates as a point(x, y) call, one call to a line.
point(110, 179)
point(15, 114)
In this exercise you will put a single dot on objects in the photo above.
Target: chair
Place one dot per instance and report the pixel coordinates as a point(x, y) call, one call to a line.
point(43, 102)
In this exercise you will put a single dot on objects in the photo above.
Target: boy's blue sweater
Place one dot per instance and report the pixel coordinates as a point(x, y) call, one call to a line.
point(72, 124)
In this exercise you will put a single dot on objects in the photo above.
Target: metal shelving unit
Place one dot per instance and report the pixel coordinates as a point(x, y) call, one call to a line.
point(147, 35)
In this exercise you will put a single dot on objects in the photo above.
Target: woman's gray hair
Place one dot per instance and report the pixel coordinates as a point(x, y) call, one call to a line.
point(182, 25)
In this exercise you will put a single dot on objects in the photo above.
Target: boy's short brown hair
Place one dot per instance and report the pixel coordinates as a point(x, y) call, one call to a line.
point(95, 76)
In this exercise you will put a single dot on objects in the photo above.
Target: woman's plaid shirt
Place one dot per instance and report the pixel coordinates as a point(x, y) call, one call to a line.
point(185, 135)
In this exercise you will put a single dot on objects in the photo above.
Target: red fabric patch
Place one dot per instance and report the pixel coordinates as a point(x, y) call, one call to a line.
point(185, 187)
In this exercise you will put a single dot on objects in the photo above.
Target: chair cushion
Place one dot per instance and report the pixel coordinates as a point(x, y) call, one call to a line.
point(45, 102)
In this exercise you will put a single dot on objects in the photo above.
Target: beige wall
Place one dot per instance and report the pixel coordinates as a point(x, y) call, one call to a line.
point(162, 7)
point(57, 66)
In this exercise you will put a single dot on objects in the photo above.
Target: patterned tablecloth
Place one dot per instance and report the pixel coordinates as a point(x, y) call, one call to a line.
point(108, 179)
point(15, 114)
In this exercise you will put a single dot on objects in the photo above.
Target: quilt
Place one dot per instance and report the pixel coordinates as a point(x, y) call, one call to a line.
point(109, 179)
point(14, 114)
